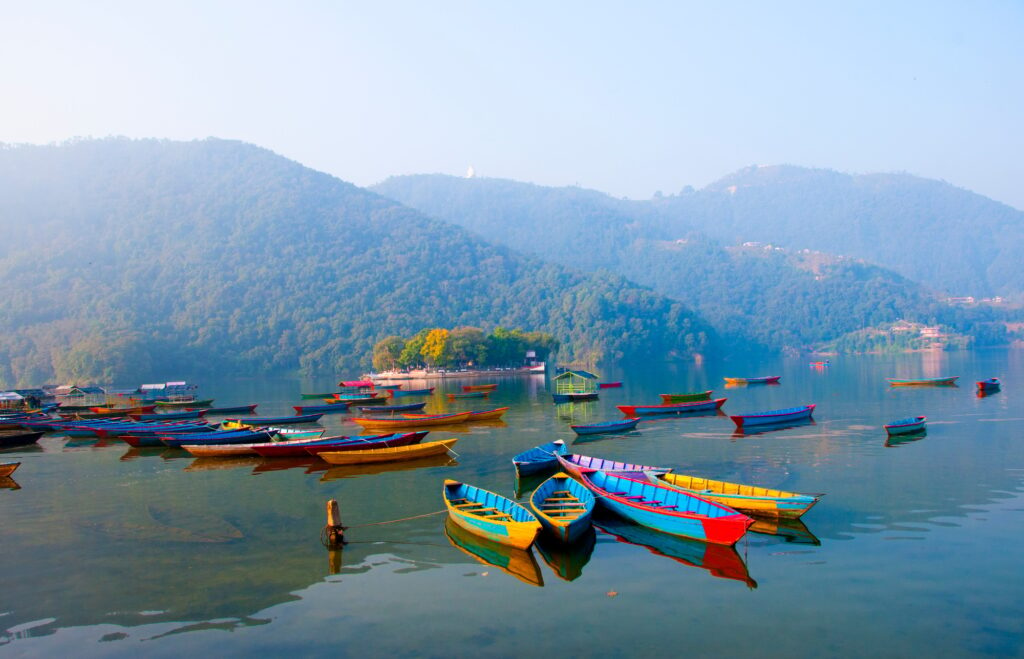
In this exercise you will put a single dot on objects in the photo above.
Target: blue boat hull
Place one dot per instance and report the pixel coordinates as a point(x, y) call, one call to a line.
point(599, 428)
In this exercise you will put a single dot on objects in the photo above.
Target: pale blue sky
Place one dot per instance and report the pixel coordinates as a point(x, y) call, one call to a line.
point(623, 97)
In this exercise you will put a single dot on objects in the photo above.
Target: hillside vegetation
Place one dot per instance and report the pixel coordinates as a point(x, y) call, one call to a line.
point(126, 260)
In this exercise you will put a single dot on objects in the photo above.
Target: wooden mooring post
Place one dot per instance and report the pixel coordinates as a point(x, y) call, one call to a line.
point(335, 531)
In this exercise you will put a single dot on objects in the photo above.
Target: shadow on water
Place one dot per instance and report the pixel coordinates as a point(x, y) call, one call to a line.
point(567, 561)
point(893, 441)
point(776, 427)
point(790, 530)
point(519, 563)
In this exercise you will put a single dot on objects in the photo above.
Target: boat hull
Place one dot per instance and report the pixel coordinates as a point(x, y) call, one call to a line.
point(389, 454)
point(924, 382)
point(514, 526)
point(564, 507)
point(774, 417)
point(672, 408)
point(769, 379)
point(608, 427)
point(748, 499)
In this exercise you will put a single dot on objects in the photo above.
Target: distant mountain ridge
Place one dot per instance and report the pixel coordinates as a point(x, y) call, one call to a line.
point(132, 259)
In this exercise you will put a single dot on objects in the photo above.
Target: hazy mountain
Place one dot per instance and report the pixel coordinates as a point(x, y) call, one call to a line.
point(130, 259)
point(791, 297)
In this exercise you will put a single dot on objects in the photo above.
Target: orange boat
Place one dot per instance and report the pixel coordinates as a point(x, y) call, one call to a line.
point(413, 421)
point(482, 415)
point(479, 387)
point(142, 409)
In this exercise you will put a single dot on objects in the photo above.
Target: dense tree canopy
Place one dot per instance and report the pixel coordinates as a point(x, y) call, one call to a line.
point(463, 346)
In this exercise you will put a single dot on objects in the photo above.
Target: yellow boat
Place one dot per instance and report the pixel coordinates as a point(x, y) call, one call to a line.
point(388, 454)
point(482, 415)
point(372, 423)
point(490, 515)
point(744, 498)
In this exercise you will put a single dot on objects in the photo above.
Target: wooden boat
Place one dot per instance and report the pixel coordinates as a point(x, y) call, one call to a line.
point(607, 426)
point(490, 515)
point(539, 458)
point(328, 408)
point(123, 411)
point(278, 420)
point(518, 563)
point(469, 394)
point(775, 416)
point(7, 468)
point(376, 409)
point(11, 438)
point(238, 409)
point(575, 465)
point(479, 387)
point(168, 416)
point(748, 499)
point(609, 385)
point(329, 394)
point(313, 447)
point(923, 382)
point(905, 426)
point(401, 393)
point(767, 379)
point(488, 415)
point(672, 408)
point(220, 437)
point(192, 402)
point(691, 397)
point(390, 454)
point(360, 399)
point(408, 421)
point(720, 561)
point(573, 397)
point(991, 384)
point(563, 507)
point(284, 434)
point(665, 509)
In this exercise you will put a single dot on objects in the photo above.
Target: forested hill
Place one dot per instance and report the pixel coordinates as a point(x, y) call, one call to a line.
point(125, 260)
point(774, 297)
point(944, 237)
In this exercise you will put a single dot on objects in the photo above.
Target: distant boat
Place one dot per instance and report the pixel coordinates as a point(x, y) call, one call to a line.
point(606, 426)
point(412, 421)
point(671, 408)
point(7, 468)
point(329, 408)
point(539, 458)
point(9, 438)
point(775, 416)
point(239, 409)
point(573, 397)
point(609, 385)
point(989, 385)
point(490, 515)
point(401, 393)
point(563, 506)
point(479, 415)
point(168, 416)
point(330, 394)
point(767, 379)
point(479, 387)
point(469, 394)
point(906, 426)
point(691, 397)
point(749, 499)
point(191, 402)
point(924, 382)
point(824, 363)
point(278, 420)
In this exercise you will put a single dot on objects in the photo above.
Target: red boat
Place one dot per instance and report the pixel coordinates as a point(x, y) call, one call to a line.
point(672, 408)
point(609, 385)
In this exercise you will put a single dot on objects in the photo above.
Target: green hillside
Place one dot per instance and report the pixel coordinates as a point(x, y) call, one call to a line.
point(127, 260)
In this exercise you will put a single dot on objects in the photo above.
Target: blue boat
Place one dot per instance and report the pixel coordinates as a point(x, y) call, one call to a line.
point(667, 510)
point(539, 458)
point(240, 409)
point(607, 426)
point(277, 420)
point(401, 393)
point(222, 437)
point(333, 408)
point(906, 426)
point(573, 397)
point(563, 506)
point(775, 416)
point(377, 409)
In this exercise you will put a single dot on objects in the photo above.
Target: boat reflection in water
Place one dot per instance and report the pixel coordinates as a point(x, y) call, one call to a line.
point(721, 561)
point(892, 441)
point(567, 561)
point(519, 563)
point(8, 483)
point(528, 483)
point(790, 530)
point(217, 464)
point(761, 430)
point(339, 472)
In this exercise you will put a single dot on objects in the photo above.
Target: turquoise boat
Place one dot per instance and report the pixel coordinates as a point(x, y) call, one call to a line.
point(924, 382)
point(606, 426)
point(563, 506)
point(490, 515)
point(539, 458)
point(906, 426)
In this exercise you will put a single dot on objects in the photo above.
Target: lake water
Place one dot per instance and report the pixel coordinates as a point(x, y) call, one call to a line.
point(915, 550)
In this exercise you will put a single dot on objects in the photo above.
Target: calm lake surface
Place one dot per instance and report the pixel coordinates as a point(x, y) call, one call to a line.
point(915, 549)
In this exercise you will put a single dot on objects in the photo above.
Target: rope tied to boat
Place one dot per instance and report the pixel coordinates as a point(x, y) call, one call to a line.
point(326, 531)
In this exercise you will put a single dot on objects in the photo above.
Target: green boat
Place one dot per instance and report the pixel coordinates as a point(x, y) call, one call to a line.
point(692, 397)
point(184, 403)
point(317, 396)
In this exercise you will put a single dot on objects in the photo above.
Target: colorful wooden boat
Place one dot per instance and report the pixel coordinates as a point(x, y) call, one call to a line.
point(923, 382)
point(313, 447)
point(123, 411)
point(721, 561)
point(490, 515)
point(377, 409)
point(469, 394)
point(238, 409)
point(11, 438)
point(787, 415)
point(479, 387)
point(574, 397)
point(748, 499)
point(691, 397)
point(329, 394)
point(575, 464)
point(539, 458)
point(991, 384)
point(767, 379)
point(518, 563)
point(401, 393)
point(563, 506)
point(906, 426)
point(329, 408)
point(389, 454)
point(278, 420)
point(360, 399)
point(481, 415)
point(168, 416)
point(192, 402)
point(665, 509)
point(672, 408)
point(609, 385)
point(7, 468)
point(606, 426)
point(221, 437)
point(409, 421)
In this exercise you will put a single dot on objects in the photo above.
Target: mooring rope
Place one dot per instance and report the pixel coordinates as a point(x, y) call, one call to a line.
point(325, 532)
